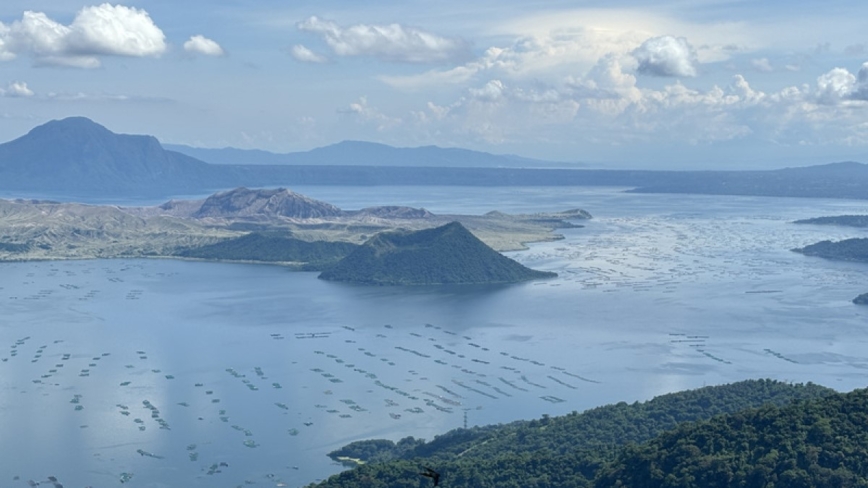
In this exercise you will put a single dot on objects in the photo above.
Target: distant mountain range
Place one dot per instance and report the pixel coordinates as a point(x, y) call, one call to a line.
point(77, 157)
point(359, 153)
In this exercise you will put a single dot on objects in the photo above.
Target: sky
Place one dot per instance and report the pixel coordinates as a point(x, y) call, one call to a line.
point(700, 84)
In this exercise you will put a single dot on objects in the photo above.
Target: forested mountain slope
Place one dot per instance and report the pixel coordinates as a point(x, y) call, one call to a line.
point(565, 451)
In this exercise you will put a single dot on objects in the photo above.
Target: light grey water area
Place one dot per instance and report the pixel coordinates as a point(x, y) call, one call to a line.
point(164, 369)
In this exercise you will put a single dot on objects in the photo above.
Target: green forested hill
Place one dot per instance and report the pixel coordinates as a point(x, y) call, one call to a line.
point(566, 451)
point(272, 247)
point(449, 254)
point(844, 250)
point(818, 444)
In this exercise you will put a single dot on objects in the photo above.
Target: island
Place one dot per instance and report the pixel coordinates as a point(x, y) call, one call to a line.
point(855, 250)
point(842, 220)
point(844, 250)
point(275, 226)
point(449, 254)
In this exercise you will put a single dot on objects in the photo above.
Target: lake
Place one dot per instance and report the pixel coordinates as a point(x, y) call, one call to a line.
point(173, 373)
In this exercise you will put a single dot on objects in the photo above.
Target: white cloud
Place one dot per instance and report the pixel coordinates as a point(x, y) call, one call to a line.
point(113, 30)
point(494, 58)
point(305, 55)
point(370, 115)
point(839, 86)
point(392, 42)
point(762, 64)
point(666, 56)
point(5, 53)
point(202, 45)
point(564, 53)
point(606, 107)
point(490, 92)
point(836, 85)
point(17, 89)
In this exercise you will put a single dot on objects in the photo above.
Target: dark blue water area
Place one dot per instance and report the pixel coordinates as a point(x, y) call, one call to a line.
point(213, 374)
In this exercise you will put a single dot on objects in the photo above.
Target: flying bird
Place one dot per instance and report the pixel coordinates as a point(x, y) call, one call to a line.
point(430, 473)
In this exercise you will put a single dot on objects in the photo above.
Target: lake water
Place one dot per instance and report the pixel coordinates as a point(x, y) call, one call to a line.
point(210, 374)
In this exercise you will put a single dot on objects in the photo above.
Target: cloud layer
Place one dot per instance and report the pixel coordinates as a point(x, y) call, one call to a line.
point(392, 42)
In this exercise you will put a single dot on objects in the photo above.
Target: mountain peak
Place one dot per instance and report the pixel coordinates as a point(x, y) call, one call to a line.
point(70, 127)
point(74, 121)
point(264, 203)
point(76, 153)
point(449, 254)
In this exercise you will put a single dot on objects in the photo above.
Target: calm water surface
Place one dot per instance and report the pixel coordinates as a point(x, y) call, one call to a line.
point(204, 374)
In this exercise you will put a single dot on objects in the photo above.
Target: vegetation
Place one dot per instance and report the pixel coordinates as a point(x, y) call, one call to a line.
point(443, 255)
point(821, 443)
point(845, 250)
point(844, 220)
point(568, 451)
point(273, 247)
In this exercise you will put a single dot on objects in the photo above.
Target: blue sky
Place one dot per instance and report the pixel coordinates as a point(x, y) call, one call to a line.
point(681, 84)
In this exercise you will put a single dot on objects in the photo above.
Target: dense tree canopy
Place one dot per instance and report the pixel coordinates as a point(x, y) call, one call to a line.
point(578, 449)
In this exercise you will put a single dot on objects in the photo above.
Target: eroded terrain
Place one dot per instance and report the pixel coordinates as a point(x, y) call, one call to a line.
point(34, 229)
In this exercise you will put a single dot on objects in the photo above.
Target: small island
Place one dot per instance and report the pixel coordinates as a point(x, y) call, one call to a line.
point(855, 250)
point(842, 220)
point(845, 250)
point(449, 254)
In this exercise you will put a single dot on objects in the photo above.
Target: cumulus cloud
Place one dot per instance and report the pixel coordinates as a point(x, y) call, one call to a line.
point(490, 92)
point(666, 56)
point(305, 55)
point(202, 45)
point(392, 42)
point(113, 30)
point(17, 89)
point(839, 85)
point(606, 108)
